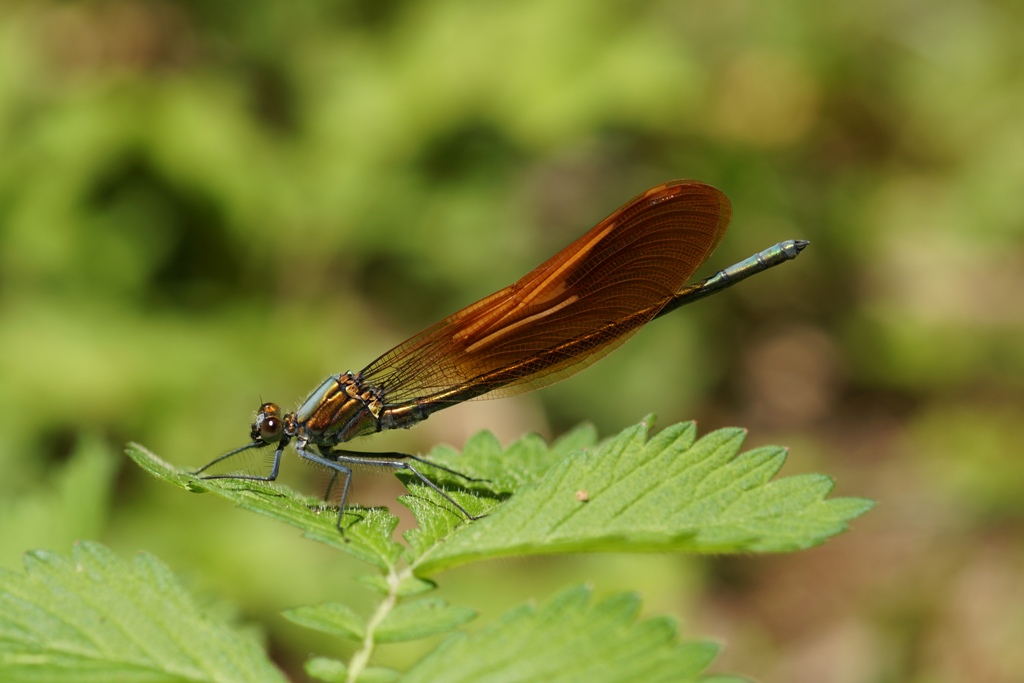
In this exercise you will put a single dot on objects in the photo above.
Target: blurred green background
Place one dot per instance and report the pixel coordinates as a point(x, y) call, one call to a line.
point(203, 204)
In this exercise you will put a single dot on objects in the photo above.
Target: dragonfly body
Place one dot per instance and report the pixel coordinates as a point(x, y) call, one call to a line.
point(564, 315)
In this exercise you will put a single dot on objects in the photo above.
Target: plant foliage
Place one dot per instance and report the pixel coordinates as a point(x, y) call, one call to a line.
point(633, 493)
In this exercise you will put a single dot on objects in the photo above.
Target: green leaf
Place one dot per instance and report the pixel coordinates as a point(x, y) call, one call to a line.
point(422, 618)
point(333, 671)
point(664, 494)
point(367, 531)
point(408, 585)
point(506, 471)
point(498, 473)
point(630, 494)
point(329, 617)
point(326, 669)
point(565, 641)
point(95, 618)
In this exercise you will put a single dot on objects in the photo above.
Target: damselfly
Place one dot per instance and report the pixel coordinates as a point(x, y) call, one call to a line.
point(567, 313)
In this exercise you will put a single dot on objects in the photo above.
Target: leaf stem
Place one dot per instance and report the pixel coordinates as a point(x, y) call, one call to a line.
point(362, 656)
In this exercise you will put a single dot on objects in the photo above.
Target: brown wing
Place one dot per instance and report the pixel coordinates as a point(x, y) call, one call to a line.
point(571, 310)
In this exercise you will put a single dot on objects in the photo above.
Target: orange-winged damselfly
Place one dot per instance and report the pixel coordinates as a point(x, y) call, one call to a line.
point(567, 313)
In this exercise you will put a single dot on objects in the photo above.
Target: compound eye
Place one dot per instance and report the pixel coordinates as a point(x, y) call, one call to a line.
point(270, 428)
